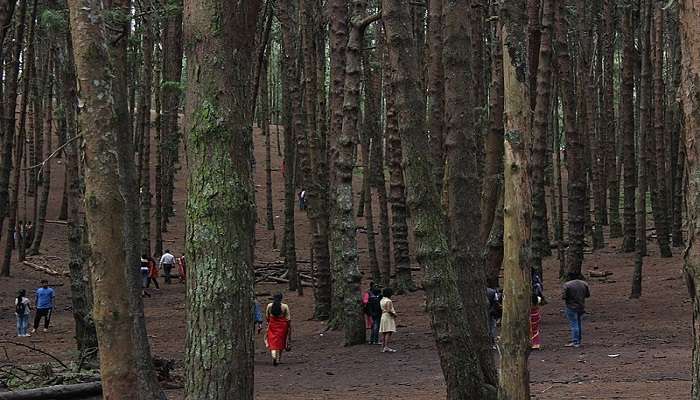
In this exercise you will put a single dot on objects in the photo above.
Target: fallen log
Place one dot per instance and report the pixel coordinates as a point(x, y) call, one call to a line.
point(45, 270)
point(599, 274)
point(49, 221)
point(75, 391)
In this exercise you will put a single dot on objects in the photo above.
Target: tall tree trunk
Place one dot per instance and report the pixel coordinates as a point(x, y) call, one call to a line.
point(119, 15)
point(690, 98)
point(514, 379)
point(462, 176)
point(80, 289)
point(397, 189)
point(171, 91)
point(677, 160)
point(463, 372)
point(11, 81)
point(660, 189)
point(608, 118)
point(104, 206)
point(627, 129)
point(145, 120)
point(343, 221)
point(574, 146)
point(372, 261)
point(265, 111)
point(539, 138)
point(493, 168)
point(436, 91)
point(219, 127)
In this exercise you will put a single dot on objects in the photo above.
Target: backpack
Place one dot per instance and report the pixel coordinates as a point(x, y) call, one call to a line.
point(374, 308)
point(20, 308)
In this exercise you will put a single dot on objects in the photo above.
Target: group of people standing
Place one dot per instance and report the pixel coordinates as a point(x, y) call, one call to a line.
point(44, 300)
point(150, 270)
point(380, 316)
point(575, 292)
point(23, 234)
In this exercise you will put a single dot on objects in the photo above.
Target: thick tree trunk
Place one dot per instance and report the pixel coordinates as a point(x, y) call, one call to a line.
point(81, 292)
point(128, 187)
point(145, 120)
point(627, 128)
point(221, 210)
point(514, 379)
point(690, 98)
point(265, 112)
point(436, 92)
point(463, 372)
point(462, 177)
point(11, 83)
point(574, 146)
point(539, 139)
point(104, 206)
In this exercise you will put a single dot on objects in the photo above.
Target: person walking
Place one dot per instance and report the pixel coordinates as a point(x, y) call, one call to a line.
point(258, 317)
point(152, 273)
point(576, 292)
point(22, 309)
point(387, 325)
point(495, 297)
point(374, 310)
point(167, 260)
point(45, 297)
point(535, 312)
point(279, 328)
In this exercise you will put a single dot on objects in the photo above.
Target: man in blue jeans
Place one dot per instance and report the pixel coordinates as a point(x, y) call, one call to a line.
point(44, 305)
point(576, 292)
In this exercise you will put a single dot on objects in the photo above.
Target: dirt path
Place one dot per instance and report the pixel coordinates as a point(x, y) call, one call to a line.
point(633, 349)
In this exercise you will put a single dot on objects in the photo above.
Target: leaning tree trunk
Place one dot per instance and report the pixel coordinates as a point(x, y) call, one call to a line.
point(81, 293)
point(456, 348)
point(690, 98)
point(104, 206)
point(627, 129)
point(221, 200)
point(462, 177)
point(514, 379)
point(574, 146)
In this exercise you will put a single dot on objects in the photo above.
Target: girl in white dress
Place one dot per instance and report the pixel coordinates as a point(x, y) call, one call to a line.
point(387, 326)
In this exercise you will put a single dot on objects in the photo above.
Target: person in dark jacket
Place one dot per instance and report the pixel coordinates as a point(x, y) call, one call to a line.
point(576, 292)
point(495, 297)
point(374, 311)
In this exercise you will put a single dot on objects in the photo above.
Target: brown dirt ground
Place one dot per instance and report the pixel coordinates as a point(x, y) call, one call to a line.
point(634, 349)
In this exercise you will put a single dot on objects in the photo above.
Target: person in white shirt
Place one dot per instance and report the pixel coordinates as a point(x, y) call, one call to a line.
point(166, 262)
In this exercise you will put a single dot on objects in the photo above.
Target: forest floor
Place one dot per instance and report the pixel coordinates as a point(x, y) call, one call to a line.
point(633, 349)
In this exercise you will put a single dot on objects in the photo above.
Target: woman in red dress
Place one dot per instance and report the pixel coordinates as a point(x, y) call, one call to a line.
point(279, 328)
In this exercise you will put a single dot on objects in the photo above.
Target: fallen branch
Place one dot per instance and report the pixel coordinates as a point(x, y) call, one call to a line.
point(56, 392)
point(35, 349)
point(53, 221)
point(45, 270)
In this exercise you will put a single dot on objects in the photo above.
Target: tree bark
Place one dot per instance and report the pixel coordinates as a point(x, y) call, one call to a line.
point(81, 292)
point(456, 348)
point(221, 200)
point(574, 147)
point(8, 138)
point(436, 91)
point(104, 206)
point(514, 379)
point(690, 98)
point(539, 139)
point(627, 129)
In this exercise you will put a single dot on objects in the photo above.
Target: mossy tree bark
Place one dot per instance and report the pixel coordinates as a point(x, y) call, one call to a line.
point(455, 340)
point(690, 98)
point(221, 200)
point(436, 92)
point(462, 178)
point(104, 206)
point(514, 379)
